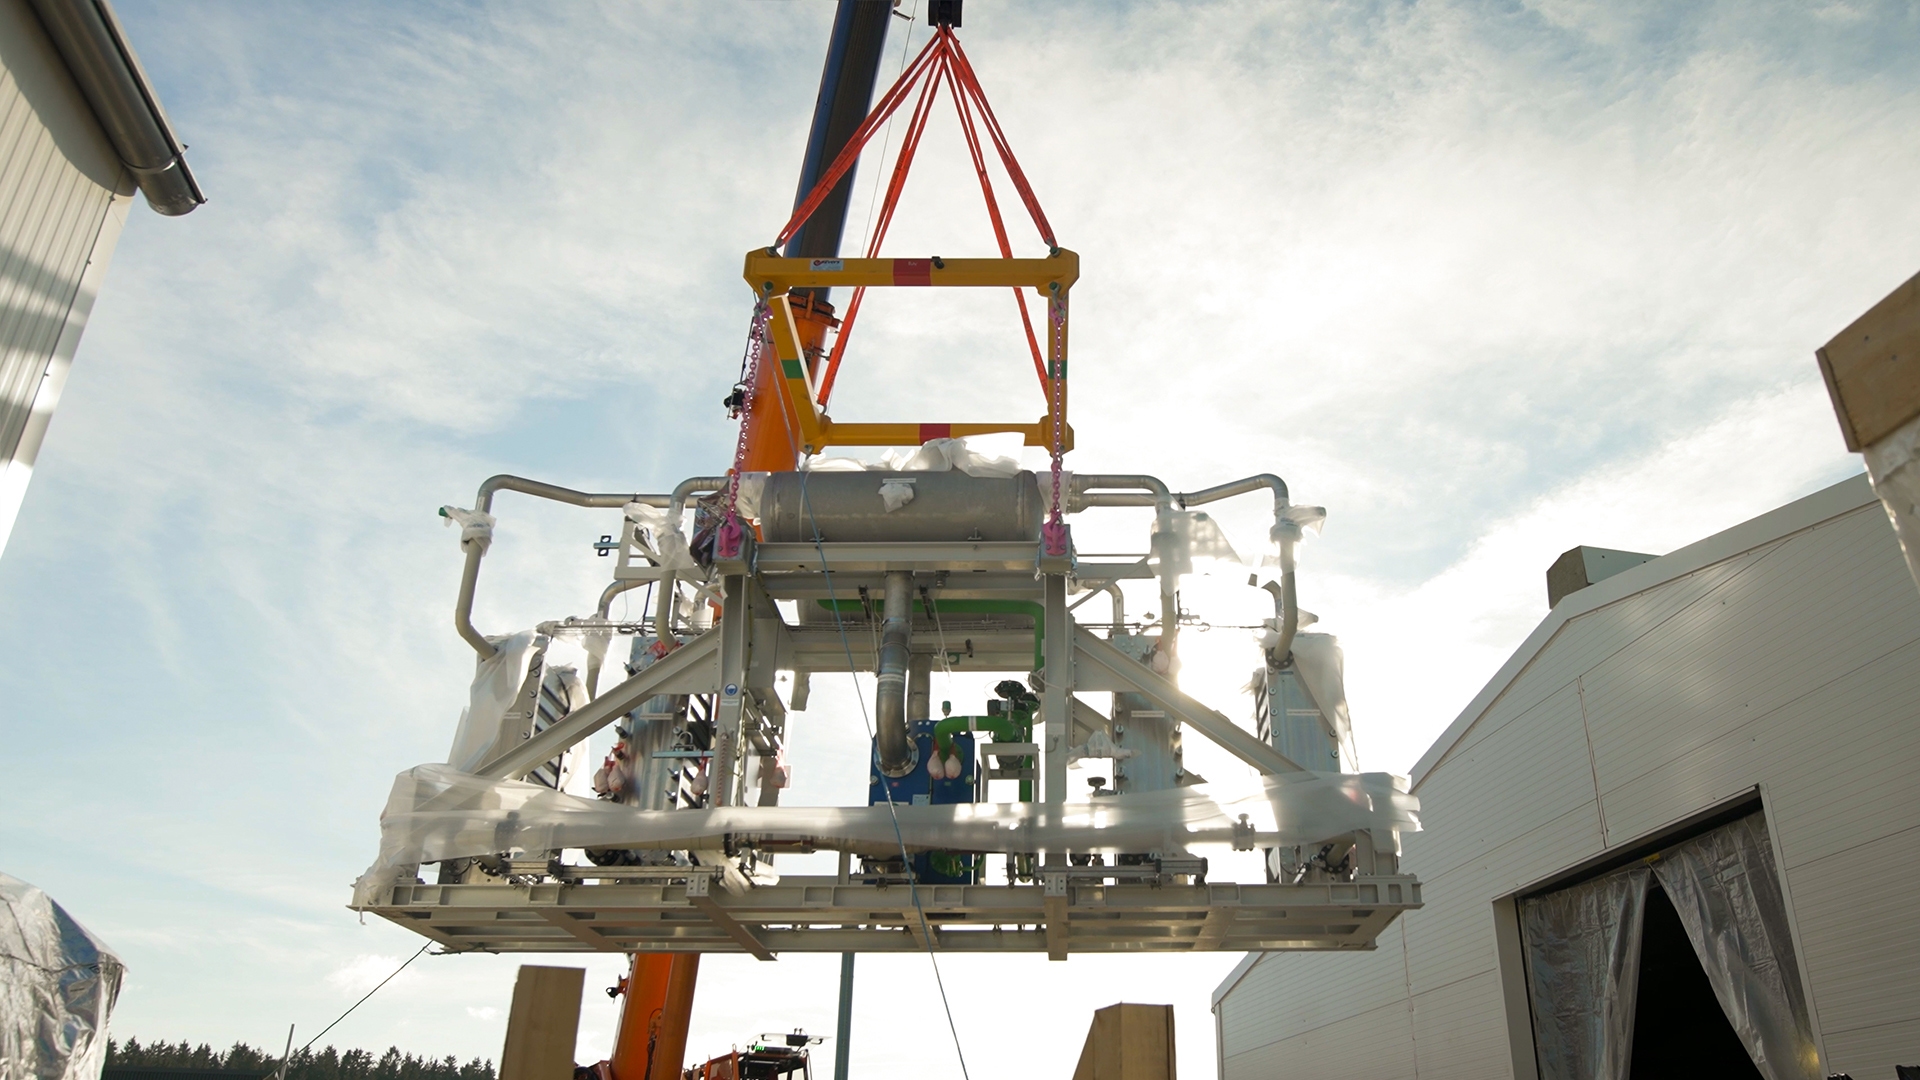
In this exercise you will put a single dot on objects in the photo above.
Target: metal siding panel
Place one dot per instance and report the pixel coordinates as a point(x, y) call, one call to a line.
point(1376, 1045)
point(1451, 938)
point(1822, 793)
point(50, 215)
point(1813, 609)
point(1461, 1031)
point(1588, 639)
point(1269, 1006)
point(1538, 762)
point(1857, 911)
point(1874, 1051)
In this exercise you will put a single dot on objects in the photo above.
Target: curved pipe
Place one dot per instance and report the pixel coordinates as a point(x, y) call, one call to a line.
point(91, 41)
point(1162, 500)
point(483, 502)
point(1239, 487)
point(677, 506)
point(1286, 606)
point(1079, 497)
point(895, 746)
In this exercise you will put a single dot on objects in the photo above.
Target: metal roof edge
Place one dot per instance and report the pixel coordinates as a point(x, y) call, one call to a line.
point(1233, 977)
point(1804, 513)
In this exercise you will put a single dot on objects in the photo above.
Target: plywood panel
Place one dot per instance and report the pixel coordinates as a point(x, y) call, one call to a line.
point(1872, 368)
point(543, 1025)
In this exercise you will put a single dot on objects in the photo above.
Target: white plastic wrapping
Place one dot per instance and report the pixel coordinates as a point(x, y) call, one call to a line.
point(895, 494)
point(662, 540)
point(1192, 541)
point(753, 485)
point(1582, 947)
point(474, 525)
point(1322, 667)
point(1893, 464)
point(495, 684)
point(1727, 893)
point(436, 812)
point(57, 988)
point(935, 455)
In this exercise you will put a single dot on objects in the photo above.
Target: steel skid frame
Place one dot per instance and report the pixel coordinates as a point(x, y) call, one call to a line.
point(1166, 905)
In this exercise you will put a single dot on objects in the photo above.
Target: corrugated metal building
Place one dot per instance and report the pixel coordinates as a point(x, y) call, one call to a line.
point(1772, 669)
point(80, 130)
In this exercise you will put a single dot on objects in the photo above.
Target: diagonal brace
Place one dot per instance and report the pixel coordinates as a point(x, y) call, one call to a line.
point(610, 706)
point(1090, 650)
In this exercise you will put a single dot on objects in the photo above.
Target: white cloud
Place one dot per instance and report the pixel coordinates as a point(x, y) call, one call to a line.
point(364, 972)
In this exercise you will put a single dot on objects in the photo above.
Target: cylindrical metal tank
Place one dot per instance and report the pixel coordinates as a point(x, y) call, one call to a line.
point(946, 506)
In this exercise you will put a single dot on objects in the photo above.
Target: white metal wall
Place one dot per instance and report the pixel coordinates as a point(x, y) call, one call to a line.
point(63, 197)
point(1783, 654)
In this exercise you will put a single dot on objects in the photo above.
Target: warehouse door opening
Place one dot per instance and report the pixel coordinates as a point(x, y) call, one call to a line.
point(1677, 964)
point(1679, 1029)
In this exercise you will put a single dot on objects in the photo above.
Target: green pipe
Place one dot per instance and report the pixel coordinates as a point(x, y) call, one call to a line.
point(1016, 726)
point(1029, 608)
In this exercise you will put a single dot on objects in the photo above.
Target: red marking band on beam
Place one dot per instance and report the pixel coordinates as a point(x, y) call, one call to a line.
point(930, 432)
point(913, 271)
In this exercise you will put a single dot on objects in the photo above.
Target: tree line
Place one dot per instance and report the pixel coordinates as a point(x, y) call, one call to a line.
point(327, 1064)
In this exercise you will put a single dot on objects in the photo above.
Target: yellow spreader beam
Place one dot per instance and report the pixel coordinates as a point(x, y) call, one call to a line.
point(773, 277)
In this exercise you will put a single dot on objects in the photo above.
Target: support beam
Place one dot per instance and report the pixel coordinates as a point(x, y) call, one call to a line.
point(1056, 708)
point(515, 761)
point(736, 641)
point(1120, 671)
point(699, 895)
point(573, 925)
point(1055, 905)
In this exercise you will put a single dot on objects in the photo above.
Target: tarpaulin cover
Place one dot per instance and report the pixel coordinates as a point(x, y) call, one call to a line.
point(57, 986)
point(1583, 957)
point(1893, 464)
point(1583, 974)
point(496, 683)
point(436, 812)
point(1728, 895)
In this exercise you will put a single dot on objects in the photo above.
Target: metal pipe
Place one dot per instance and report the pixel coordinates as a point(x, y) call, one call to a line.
point(483, 502)
point(1238, 487)
point(1163, 500)
point(919, 688)
point(1285, 596)
point(897, 752)
point(463, 605)
point(1286, 604)
point(677, 506)
point(93, 44)
point(1084, 483)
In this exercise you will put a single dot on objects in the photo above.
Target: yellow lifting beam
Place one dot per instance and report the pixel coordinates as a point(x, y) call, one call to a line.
point(773, 277)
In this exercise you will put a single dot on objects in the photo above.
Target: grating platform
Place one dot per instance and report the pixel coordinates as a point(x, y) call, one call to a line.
point(821, 914)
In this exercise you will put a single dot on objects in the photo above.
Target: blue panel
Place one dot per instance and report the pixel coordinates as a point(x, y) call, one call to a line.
point(918, 789)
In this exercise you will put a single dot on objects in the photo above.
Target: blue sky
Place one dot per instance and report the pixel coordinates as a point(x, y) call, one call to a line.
point(1488, 280)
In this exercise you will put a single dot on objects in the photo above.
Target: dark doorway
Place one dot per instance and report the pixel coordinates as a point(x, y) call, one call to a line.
point(1679, 1032)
